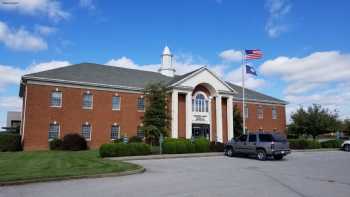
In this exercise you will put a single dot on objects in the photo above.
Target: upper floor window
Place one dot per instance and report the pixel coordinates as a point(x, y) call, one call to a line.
point(87, 100)
point(116, 103)
point(56, 99)
point(141, 104)
point(246, 111)
point(274, 112)
point(260, 112)
point(115, 132)
point(200, 103)
point(86, 131)
point(54, 130)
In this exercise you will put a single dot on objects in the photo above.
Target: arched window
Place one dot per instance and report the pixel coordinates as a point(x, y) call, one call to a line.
point(200, 103)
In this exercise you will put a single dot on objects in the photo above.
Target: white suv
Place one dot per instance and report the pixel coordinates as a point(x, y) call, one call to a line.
point(346, 145)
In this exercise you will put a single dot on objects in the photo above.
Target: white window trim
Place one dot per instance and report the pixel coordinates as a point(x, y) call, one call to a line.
point(92, 100)
point(276, 113)
point(204, 104)
point(137, 104)
point(120, 103)
point(58, 106)
point(118, 136)
point(262, 110)
point(59, 131)
point(246, 113)
point(90, 131)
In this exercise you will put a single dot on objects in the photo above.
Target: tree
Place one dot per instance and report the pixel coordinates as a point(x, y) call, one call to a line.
point(237, 122)
point(314, 121)
point(346, 126)
point(156, 119)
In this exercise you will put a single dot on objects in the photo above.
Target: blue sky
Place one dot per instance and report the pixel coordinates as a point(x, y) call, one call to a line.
point(305, 44)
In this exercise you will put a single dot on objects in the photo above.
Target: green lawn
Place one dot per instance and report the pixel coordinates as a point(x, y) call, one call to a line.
point(47, 164)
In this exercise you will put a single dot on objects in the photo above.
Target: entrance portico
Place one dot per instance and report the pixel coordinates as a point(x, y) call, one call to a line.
point(205, 95)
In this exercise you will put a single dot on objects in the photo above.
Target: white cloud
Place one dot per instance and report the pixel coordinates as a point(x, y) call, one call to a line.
point(277, 10)
point(89, 4)
point(320, 78)
point(20, 39)
point(10, 103)
point(235, 76)
point(50, 8)
point(231, 55)
point(45, 30)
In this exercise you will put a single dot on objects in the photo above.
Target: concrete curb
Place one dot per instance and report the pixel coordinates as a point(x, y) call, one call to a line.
point(167, 156)
point(49, 179)
point(315, 150)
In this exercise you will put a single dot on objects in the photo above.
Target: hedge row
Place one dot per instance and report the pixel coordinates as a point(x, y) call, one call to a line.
point(10, 142)
point(121, 149)
point(199, 145)
point(304, 144)
point(331, 144)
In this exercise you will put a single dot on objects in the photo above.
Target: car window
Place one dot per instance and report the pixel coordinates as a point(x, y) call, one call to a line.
point(279, 138)
point(243, 138)
point(265, 137)
point(252, 138)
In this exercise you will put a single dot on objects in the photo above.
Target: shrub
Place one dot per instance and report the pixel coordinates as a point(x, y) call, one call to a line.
point(304, 144)
point(56, 144)
point(331, 144)
point(135, 139)
point(216, 147)
point(10, 142)
point(169, 147)
point(74, 142)
point(201, 145)
point(121, 149)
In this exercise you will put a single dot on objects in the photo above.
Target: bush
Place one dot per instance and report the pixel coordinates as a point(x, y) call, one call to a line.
point(121, 149)
point(74, 142)
point(178, 146)
point(10, 142)
point(331, 144)
point(304, 144)
point(216, 147)
point(55, 144)
point(201, 145)
point(135, 139)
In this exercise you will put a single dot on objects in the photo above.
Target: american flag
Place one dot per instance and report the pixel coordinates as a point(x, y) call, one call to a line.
point(253, 54)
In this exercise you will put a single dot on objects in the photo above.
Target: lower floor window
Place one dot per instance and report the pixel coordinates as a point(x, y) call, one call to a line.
point(86, 131)
point(115, 132)
point(53, 131)
point(140, 133)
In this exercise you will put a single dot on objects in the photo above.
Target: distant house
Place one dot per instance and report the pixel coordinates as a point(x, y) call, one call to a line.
point(104, 103)
point(13, 121)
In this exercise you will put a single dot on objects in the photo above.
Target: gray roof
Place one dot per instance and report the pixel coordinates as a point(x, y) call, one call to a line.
point(90, 73)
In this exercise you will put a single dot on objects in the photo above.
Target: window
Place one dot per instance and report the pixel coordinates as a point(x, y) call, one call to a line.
point(265, 138)
point(86, 131)
point(87, 100)
point(243, 138)
point(115, 132)
point(200, 104)
point(260, 112)
point(252, 138)
point(274, 113)
point(56, 99)
point(140, 133)
point(141, 104)
point(246, 111)
point(116, 103)
point(54, 130)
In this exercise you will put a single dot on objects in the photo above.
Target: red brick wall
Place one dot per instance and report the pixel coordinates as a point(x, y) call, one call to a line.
point(71, 116)
point(213, 119)
point(182, 116)
point(224, 119)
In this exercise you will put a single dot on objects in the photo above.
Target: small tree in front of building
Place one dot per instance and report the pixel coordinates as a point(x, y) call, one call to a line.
point(156, 118)
point(237, 122)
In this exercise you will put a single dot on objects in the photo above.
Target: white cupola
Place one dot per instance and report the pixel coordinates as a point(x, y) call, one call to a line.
point(166, 67)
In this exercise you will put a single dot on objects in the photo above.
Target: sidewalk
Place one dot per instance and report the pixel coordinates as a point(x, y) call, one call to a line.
point(167, 156)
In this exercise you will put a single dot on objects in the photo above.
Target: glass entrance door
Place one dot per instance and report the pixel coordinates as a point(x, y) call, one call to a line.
point(201, 130)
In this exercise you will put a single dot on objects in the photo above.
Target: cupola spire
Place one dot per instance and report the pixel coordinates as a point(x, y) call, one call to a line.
point(166, 67)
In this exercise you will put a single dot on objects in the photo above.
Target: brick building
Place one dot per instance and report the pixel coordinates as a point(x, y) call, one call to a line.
point(104, 103)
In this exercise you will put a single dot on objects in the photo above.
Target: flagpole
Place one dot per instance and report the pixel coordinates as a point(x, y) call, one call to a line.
point(243, 79)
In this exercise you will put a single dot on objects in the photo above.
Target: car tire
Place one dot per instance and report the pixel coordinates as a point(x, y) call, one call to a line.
point(278, 157)
point(230, 152)
point(347, 147)
point(261, 155)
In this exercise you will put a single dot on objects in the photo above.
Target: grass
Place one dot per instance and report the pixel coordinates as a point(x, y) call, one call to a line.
point(41, 165)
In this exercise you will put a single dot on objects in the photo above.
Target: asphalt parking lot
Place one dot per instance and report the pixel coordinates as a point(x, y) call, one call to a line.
point(308, 174)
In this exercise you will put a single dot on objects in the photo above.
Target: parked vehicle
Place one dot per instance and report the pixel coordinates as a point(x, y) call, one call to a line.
point(346, 146)
point(262, 145)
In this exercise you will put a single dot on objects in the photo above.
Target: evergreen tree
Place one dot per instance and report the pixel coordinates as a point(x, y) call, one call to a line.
point(237, 122)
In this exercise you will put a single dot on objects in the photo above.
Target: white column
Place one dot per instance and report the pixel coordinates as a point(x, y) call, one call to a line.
point(230, 134)
point(188, 115)
point(174, 114)
point(218, 118)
